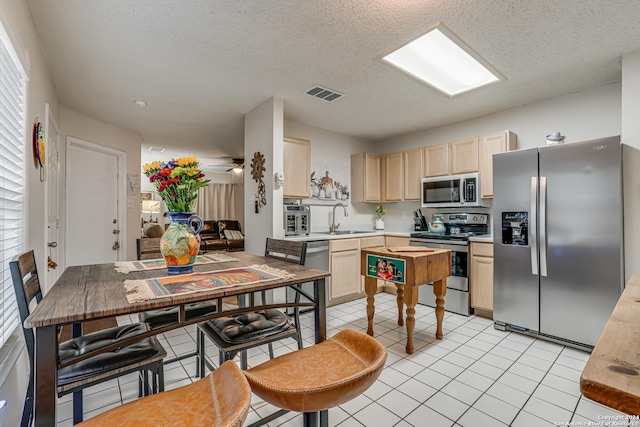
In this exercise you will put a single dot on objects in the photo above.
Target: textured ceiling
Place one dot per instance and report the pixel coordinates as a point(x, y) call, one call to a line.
point(202, 64)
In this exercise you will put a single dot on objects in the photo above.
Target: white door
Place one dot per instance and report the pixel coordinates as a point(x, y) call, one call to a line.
point(92, 214)
point(54, 264)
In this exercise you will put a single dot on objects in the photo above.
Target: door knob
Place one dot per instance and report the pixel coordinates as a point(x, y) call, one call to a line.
point(52, 244)
point(116, 231)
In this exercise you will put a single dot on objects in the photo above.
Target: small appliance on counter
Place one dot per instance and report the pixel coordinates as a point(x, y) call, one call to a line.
point(420, 222)
point(297, 220)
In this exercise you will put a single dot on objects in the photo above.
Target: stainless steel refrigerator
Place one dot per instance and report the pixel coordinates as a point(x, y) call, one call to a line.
point(558, 239)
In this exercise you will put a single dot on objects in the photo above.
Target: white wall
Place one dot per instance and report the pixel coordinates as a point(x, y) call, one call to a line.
point(589, 114)
point(83, 127)
point(264, 133)
point(631, 136)
point(329, 147)
point(17, 21)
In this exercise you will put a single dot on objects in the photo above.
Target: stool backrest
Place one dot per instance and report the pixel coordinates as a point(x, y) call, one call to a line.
point(27, 287)
point(286, 250)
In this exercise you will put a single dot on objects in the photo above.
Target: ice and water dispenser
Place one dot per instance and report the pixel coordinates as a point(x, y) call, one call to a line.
point(515, 228)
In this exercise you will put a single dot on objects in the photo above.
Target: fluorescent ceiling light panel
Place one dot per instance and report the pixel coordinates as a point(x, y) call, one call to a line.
point(443, 61)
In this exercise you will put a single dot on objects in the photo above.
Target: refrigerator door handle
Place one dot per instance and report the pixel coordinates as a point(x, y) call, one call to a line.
point(543, 226)
point(533, 224)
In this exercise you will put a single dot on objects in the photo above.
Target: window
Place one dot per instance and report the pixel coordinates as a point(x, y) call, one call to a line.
point(13, 83)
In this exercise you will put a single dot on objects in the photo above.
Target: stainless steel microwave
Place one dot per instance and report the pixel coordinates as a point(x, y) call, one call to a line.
point(451, 191)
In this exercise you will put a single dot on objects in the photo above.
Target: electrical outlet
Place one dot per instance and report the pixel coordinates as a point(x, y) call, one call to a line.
point(130, 204)
point(404, 214)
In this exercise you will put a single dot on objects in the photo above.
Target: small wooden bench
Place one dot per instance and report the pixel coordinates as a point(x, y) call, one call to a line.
point(612, 374)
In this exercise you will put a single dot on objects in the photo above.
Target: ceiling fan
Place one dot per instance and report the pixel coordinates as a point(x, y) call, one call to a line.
point(237, 165)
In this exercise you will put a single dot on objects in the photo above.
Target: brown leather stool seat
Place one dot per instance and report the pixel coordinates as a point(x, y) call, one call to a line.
point(320, 377)
point(220, 399)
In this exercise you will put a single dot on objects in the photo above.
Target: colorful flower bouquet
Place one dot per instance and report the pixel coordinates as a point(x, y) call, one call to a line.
point(177, 182)
point(380, 211)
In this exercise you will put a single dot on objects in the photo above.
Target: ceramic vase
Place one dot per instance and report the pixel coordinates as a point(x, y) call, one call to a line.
point(379, 224)
point(180, 242)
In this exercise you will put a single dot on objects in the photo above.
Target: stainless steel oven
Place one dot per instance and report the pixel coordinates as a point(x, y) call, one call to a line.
point(459, 227)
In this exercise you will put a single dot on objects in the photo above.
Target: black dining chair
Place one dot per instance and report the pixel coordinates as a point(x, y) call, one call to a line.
point(238, 333)
point(144, 356)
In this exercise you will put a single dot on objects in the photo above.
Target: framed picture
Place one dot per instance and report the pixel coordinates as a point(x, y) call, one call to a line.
point(146, 195)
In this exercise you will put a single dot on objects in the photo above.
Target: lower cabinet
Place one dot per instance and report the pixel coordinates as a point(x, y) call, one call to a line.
point(347, 283)
point(396, 241)
point(481, 278)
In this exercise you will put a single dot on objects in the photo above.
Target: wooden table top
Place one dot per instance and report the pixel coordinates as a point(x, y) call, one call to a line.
point(612, 374)
point(424, 266)
point(97, 291)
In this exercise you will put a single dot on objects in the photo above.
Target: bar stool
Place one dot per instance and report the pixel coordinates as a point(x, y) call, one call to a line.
point(320, 377)
point(221, 399)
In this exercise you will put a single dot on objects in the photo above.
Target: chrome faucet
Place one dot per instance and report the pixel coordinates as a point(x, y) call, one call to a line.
point(333, 227)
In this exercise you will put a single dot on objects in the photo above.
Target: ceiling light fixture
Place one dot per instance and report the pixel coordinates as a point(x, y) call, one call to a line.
point(237, 170)
point(140, 103)
point(440, 59)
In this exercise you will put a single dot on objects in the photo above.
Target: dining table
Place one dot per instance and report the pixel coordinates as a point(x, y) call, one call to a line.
point(89, 292)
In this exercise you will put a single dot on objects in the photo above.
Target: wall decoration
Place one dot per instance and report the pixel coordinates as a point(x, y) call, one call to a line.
point(257, 172)
point(329, 187)
point(39, 149)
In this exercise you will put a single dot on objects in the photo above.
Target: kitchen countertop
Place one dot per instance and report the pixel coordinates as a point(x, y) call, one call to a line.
point(324, 236)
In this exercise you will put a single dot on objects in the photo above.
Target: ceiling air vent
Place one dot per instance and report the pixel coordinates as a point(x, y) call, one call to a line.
point(324, 93)
point(155, 149)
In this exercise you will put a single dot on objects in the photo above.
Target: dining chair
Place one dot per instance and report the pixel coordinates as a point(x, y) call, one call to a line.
point(221, 399)
point(238, 333)
point(166, 316)
point(143, 356)
point(318, 378)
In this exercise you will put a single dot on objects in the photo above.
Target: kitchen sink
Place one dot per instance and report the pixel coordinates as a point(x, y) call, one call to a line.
point(340, 232)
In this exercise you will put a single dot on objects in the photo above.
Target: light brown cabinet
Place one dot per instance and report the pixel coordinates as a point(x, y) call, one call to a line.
point(481, 277)
point(344, 264)
point(499, 142)
point(395, 241)
point(393, 177)
point(464, 156)
point(412, 166)
point(347, 283)
point(436, 160)
point(365, 177)
point(297, 168)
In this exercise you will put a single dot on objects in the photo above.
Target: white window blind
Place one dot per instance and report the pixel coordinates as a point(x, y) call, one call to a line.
point(12, 176)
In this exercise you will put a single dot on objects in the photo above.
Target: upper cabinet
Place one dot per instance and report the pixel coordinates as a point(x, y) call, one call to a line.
point(436, 160)
point(499, 142)
point(412, 167)
point(464, 156)
point(396, 177)
point(297, 168)
point(365, 177)
point(393, 177)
